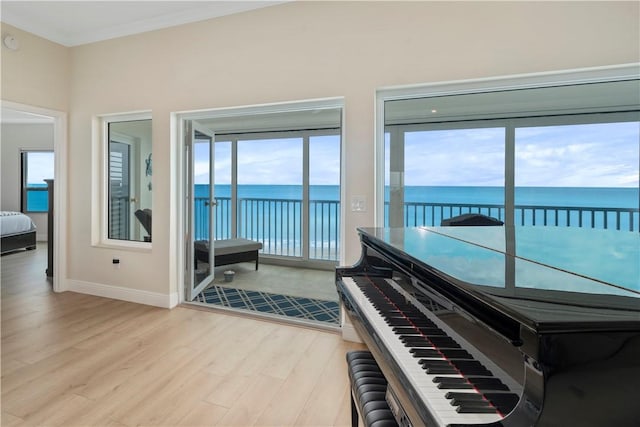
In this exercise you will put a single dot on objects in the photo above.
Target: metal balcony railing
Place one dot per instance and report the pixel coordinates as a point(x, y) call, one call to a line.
point(431, 214)
point(277, 223)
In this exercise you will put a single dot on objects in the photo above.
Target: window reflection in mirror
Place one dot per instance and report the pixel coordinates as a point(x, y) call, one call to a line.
point(129, 180)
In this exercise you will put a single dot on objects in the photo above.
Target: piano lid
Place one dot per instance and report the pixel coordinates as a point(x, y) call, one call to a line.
point(549, 278)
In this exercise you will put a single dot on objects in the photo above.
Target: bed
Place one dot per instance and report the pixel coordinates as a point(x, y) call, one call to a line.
point(17, 231)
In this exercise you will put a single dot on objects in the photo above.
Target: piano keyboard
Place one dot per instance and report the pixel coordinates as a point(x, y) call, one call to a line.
point(455, 386)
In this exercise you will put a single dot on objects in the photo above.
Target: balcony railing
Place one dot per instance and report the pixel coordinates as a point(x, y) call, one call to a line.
point(431, 214)
point(277, 222)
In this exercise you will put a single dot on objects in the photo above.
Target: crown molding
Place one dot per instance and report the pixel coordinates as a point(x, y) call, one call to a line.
point(51, 21)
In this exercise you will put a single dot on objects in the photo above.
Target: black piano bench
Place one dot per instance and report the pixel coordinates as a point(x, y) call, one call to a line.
point(368, 390)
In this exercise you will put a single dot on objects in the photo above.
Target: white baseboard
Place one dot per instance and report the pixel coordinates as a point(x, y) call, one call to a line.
point(124, 294)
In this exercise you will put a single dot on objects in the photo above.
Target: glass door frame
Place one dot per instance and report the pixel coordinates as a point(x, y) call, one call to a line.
point(192, 289)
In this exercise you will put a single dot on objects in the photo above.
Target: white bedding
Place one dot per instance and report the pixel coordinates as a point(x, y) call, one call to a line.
point(15, 222)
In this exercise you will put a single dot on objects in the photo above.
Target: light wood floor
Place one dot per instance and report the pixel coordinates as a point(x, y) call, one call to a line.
point(76, 360)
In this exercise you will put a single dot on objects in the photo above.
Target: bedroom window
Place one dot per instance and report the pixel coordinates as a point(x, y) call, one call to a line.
point(36, 167)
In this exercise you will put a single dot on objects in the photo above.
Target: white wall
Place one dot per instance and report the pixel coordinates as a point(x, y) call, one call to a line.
point(307, 50)
point(15, 138)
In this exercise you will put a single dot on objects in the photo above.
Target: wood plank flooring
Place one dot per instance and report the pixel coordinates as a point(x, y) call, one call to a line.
point(77, 360)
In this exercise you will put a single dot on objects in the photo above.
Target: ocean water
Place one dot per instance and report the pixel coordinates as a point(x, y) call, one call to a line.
point(264, 216)
point(37, 201)
point(542, 196)
point(539, 196)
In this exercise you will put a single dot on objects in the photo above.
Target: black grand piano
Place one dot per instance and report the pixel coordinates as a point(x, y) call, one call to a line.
point(501, 326)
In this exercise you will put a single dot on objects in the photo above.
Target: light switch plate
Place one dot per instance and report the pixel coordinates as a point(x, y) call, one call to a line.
point(358, 204)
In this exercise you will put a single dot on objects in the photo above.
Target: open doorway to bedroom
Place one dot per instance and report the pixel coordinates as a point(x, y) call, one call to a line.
point(28, 166)
point(262, 209)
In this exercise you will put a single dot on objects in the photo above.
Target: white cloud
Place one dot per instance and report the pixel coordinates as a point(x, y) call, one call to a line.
point(274, 162)
point(592, 155)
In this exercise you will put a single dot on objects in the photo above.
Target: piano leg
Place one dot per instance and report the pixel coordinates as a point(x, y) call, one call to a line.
point(354, 412)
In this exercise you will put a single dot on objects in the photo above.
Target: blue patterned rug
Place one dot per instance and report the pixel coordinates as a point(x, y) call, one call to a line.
point(302, 308)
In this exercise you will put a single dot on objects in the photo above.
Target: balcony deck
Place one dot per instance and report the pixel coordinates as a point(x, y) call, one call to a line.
point(299, 295)
point(291, 281)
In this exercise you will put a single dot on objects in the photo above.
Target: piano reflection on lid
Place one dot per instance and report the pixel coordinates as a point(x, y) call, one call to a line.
point(501, 326)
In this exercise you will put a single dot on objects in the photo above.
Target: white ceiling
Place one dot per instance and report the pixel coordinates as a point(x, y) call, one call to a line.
point(73, 23)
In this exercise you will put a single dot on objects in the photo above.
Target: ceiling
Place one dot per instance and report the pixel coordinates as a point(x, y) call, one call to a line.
point(73, 23)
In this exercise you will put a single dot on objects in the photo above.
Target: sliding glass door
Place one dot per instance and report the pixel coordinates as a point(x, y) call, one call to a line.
point(564, 156)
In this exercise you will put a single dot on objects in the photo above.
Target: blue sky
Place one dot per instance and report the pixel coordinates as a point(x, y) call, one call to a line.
point(594, 155)
point(275, 162)
point(591, 155)
point(40, 167)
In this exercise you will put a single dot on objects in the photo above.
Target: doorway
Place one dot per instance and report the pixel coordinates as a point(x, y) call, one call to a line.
point(277, 184)
point(25, 114)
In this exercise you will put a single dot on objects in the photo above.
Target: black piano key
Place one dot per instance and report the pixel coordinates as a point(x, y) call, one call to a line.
point(476, 409)
point(471, 367)
point(419, 343)
point(455, 386)
point(491, 386)
point(463, 396)
point(442, 352)
point(505, 402)
point(464, 367)
point(440, 370)
point(453, 383)
point(451, 353)
point(414, 339)
point(418, 323)
point(483, 385)
point(398, 321)
point(470, 402)
point(432, 332)
point(449, 379)
point(444, 342)
point(404, 330)
point(419, 330)
point(435, 367)
point(426, 352)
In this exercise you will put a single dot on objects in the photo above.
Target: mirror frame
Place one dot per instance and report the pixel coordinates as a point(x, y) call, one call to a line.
point(100, 235)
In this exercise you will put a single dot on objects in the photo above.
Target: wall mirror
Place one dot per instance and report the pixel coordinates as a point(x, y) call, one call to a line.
point(129, 172)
